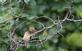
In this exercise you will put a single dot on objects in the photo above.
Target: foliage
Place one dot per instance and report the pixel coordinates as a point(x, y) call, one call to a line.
point(54, 19)
point(74, 39)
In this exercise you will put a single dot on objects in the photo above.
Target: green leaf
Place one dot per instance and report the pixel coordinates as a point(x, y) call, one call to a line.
point(78, 10)
point(20, 49)
point(44, 35)
point(74, 39)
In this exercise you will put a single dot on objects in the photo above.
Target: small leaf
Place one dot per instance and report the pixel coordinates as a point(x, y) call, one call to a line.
point(44, 35)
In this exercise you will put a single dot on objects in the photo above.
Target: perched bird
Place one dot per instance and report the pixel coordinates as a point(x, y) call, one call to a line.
point(26, 36)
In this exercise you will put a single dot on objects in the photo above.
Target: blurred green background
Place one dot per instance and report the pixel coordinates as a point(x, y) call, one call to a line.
point(23, 13)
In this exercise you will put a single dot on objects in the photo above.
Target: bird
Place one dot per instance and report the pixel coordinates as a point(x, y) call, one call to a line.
point(26, 36)
point(29, 33)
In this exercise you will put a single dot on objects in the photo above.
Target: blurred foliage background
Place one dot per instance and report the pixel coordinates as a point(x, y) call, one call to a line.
point(24, 13)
